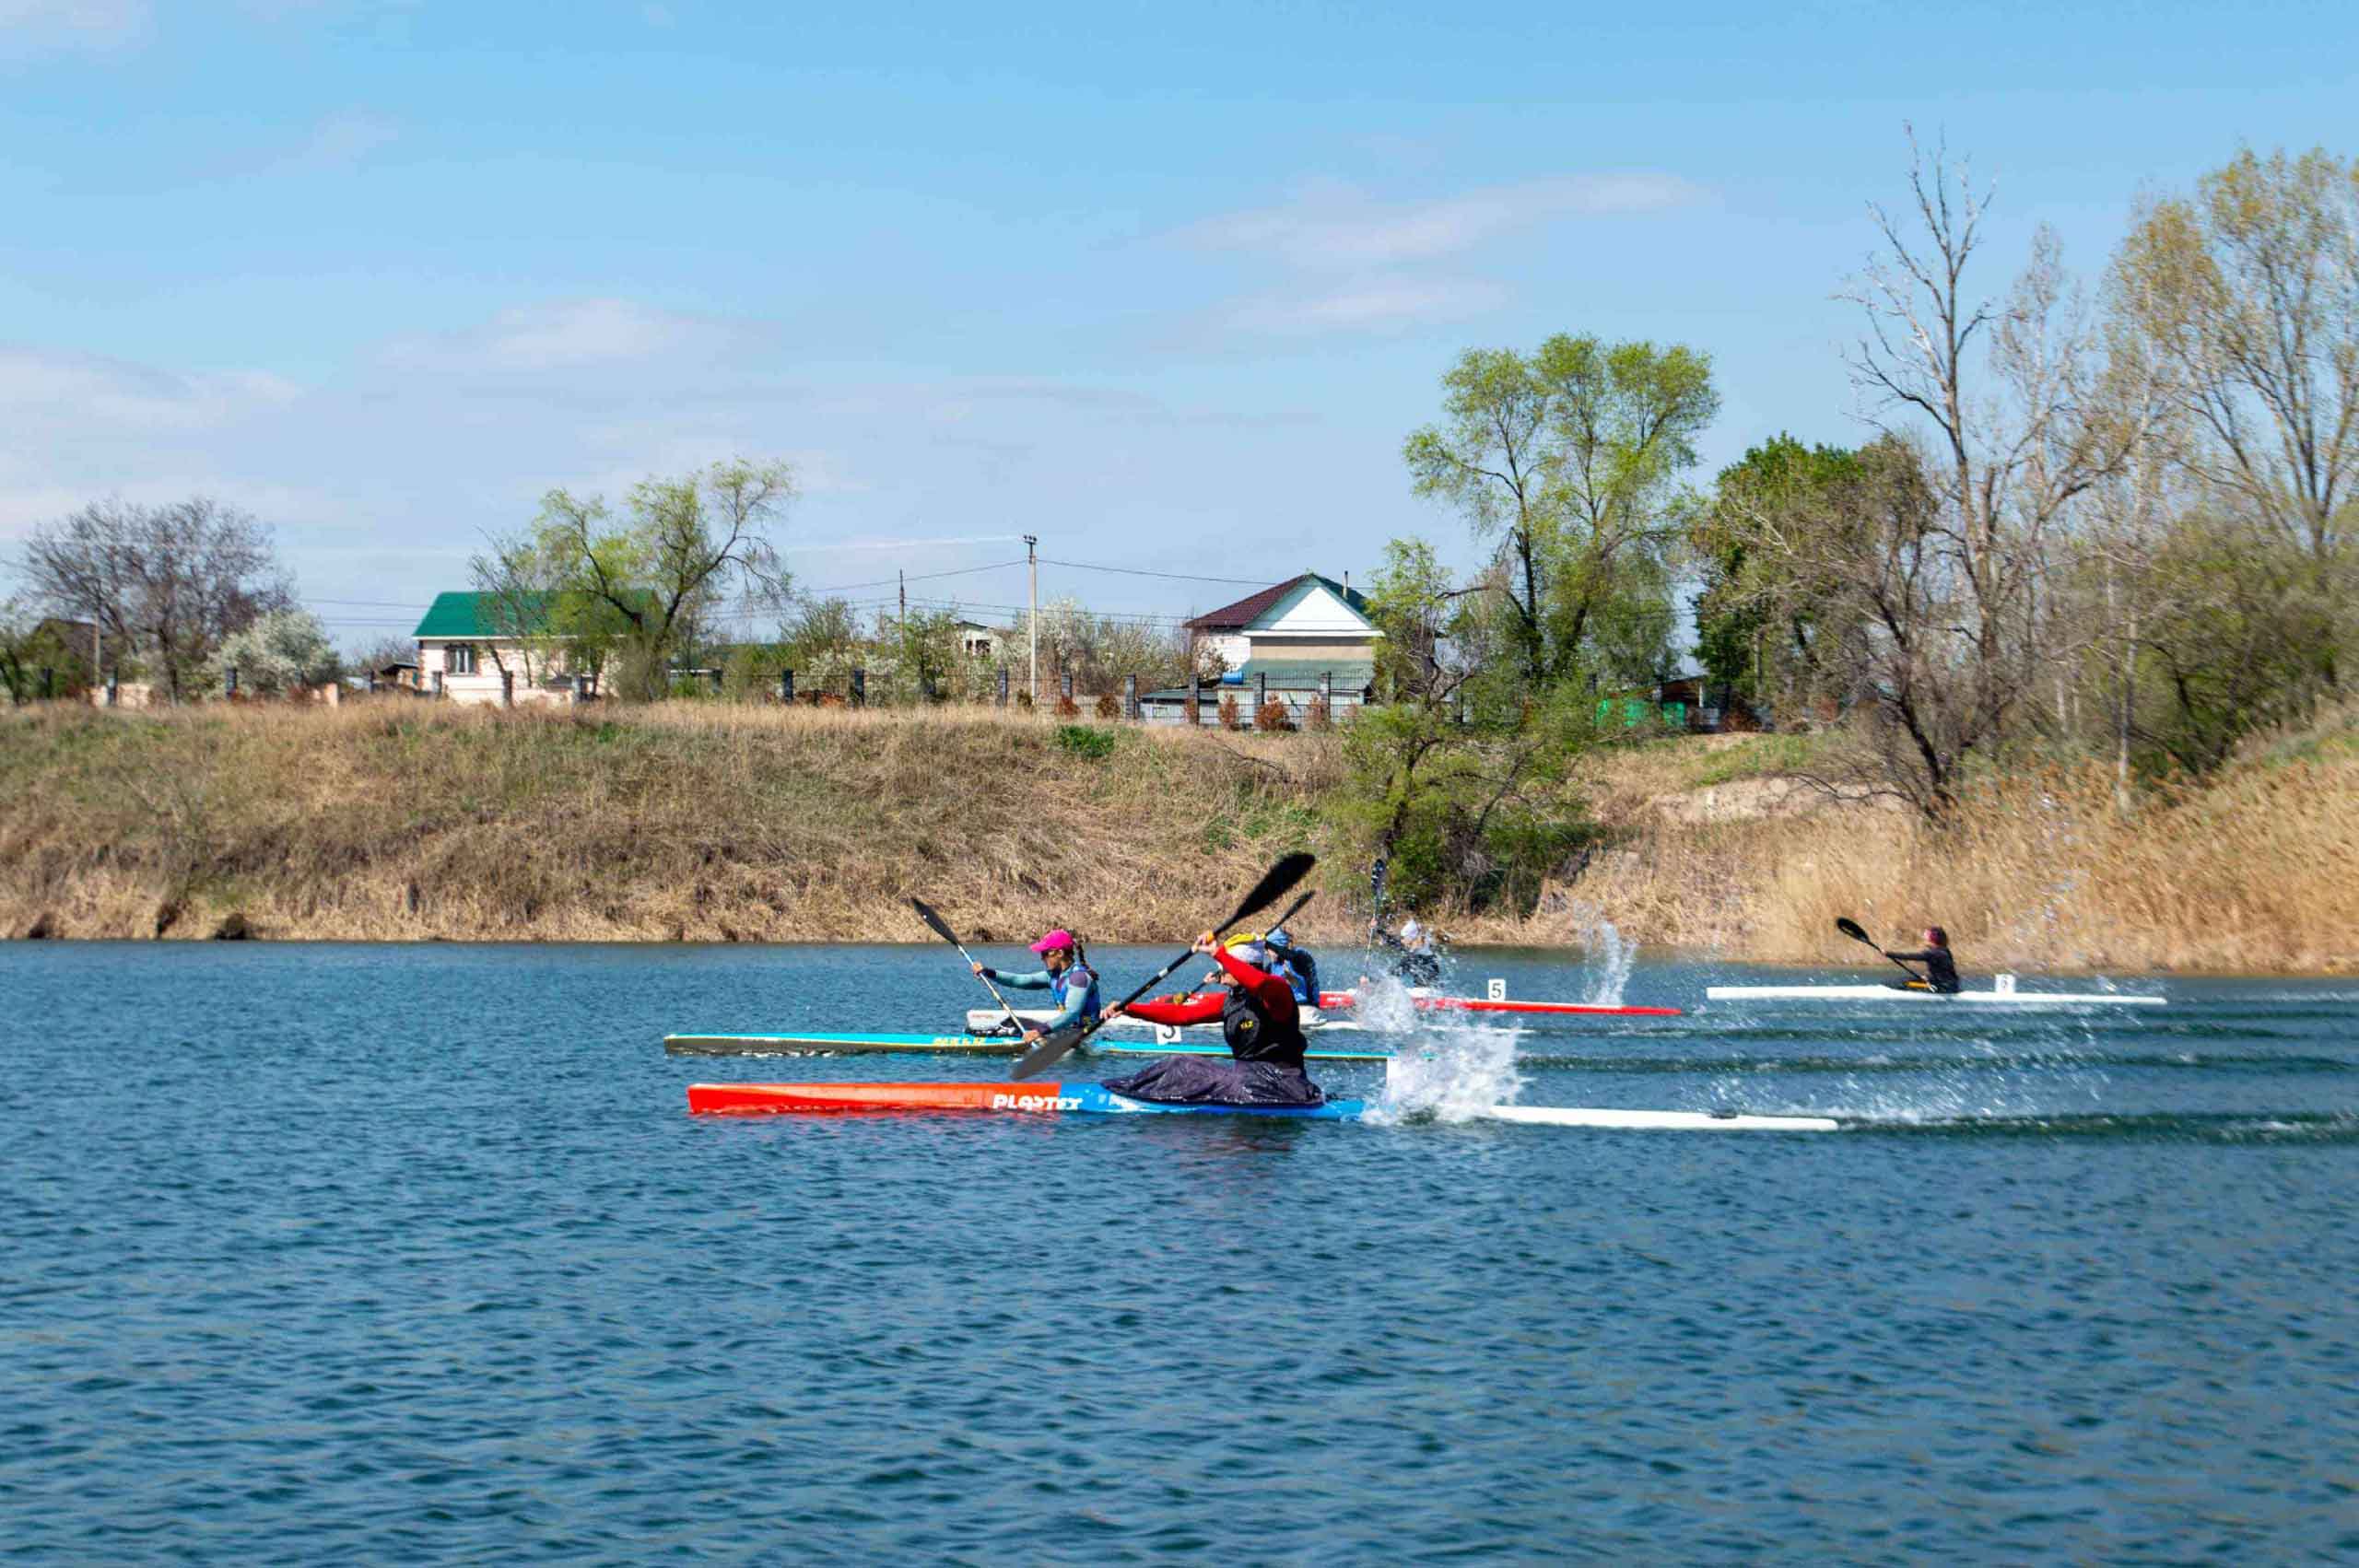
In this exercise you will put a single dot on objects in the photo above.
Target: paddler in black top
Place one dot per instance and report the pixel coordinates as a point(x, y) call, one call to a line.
point(1259, 1019)
point(1940, 970)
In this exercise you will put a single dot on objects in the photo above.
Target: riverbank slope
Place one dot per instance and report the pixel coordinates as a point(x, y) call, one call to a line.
point(400, 821)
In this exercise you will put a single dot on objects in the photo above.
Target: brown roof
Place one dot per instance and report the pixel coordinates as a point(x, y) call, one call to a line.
point(1247, 610)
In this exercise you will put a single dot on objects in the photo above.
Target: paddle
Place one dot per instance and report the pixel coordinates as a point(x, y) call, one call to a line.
point(1275, 884)
point(942, 929)
point(1850, 928)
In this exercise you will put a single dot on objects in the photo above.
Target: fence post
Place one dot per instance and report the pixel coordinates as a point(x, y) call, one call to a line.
point(115, 690)
point(717, 681)
point(438, 683)
point(1003, 685)
point(230, 689)
point(1261, 693)
point(1327, 694)
point(1195, 696)
point(580, 685)
point(1064, 685)
point(859, 687)
point(507, 688)
point(786, 688)
point(47, 682)
point(1131, 698)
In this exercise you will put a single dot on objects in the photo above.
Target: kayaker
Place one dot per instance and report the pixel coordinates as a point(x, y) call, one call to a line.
point(1414, 958)
point(1297, 969)
point(1067, 976)
point(1940, 970)
point(1263, 1029)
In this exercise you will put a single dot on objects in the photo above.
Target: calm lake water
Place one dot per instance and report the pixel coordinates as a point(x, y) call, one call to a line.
point(411, 1254)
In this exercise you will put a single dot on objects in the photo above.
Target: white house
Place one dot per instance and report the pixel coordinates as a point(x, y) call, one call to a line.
point(460, 656)
point(1293, 642)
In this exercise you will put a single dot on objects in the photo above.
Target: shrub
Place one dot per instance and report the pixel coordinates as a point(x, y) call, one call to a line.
point(1068, 708)
point(1024, 700)
point(1273, 715)
point(1319, 716)
point(1229, 719)
point(1083, 741)
point(1108, 705)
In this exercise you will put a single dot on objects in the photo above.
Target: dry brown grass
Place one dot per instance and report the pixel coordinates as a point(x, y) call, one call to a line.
point(2257, 872)
point(399, 820)
point(402, 820)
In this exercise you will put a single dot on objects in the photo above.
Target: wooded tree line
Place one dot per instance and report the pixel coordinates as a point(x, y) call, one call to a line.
point(2107, 519)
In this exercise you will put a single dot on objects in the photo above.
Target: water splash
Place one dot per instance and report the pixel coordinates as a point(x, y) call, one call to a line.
point(1446, 1068)
point(1607, 958)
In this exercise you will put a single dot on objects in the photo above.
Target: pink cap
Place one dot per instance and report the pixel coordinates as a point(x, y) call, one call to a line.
point(1054, 941)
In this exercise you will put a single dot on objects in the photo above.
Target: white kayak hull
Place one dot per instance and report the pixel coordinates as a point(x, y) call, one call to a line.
point(983, 1020)
point(1889, 993)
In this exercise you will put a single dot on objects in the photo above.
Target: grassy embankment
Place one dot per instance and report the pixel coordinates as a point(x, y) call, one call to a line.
point(403, 822)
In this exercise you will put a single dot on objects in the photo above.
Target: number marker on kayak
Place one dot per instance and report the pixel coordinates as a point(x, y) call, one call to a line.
point(1095, 1099)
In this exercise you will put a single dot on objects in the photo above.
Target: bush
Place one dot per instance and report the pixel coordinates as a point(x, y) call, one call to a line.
point(1108, 705)
point(1229, 719)
point(1083, 741)
point(1024, 700)
point(1068, 708)
point(1319, 716)
point(1273, 715)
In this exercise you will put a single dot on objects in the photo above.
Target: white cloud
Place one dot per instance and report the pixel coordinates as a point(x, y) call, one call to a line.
point(568, 334)
point(1367, 304)
point(1333, 226)
point(67, 391)
point(29, 27)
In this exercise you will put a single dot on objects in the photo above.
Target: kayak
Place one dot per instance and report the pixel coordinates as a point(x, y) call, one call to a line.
point(2004, 996)
point(982, 1020)
point(1096, 1099)
point(1425, 1001)
point(824, 1043)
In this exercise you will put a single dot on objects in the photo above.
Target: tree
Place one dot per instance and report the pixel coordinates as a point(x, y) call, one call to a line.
point(645, 583)
point(1570, 461)
point(275, 654)
point(1749, 638)
point(2248, 293)
point(166, 583)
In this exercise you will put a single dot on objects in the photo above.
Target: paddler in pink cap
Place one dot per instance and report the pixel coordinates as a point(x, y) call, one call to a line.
point(1068, 977)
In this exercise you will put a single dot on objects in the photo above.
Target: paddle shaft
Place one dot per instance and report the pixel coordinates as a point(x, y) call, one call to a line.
point(942, 929)
point(1857, 933)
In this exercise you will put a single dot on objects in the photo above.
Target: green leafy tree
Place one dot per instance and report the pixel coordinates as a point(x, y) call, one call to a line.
point(640, 585)
point(1755, 643)
point(1567, 462)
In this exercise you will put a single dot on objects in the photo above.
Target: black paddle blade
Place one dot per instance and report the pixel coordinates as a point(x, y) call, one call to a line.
point(941, 927)
point(1293, 908)
point(1054, 1046)
point(1275, 884)
point(1850, 928)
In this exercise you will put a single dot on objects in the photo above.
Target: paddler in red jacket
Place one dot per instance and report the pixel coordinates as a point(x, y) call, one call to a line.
point(1259, 1019)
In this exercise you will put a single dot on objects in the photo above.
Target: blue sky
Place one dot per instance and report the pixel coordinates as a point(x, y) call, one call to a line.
point(1164, 285)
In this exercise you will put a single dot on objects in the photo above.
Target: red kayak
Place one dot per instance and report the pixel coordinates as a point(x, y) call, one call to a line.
point(1426, 1001)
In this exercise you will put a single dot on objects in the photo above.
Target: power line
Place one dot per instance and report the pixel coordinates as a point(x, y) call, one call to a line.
point(1140, 571)
point(922, 576)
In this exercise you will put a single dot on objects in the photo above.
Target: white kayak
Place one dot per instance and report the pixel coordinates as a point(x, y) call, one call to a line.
point(2004, 994)
point(982, 1020)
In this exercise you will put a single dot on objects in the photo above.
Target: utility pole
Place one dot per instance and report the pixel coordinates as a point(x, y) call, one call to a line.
point(1032, 560)
point(904, 575)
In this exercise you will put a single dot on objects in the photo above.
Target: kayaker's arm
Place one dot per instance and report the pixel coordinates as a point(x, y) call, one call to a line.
point(1033, 980)
point(1187, 1010)
point(1274, 993)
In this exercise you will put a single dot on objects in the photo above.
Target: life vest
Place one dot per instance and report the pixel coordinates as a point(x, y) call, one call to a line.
point(1253, 1035)
point(1077, 974)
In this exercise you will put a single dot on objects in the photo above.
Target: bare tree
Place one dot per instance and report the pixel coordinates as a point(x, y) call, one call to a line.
point(167, 582)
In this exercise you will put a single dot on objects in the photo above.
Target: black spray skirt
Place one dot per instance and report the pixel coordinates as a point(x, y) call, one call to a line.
point(1218, 1081)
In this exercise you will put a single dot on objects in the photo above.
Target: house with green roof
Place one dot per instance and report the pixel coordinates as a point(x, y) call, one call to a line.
point(469, 652)
point(1295, 642)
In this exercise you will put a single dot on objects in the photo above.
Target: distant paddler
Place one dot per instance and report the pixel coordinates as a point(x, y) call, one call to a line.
point(1296, 967)
point(1260, 1020)
point(1414, 958)
point(1067, 977)
point(1940, 968)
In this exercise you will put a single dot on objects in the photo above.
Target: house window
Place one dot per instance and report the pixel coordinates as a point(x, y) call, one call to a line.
point(461, 660)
